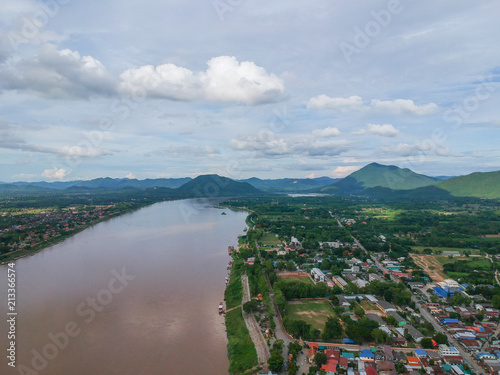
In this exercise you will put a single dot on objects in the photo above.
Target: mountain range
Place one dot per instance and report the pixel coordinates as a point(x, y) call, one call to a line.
point(375, 180)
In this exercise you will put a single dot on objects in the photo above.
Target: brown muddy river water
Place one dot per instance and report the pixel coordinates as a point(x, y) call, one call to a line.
point(134, 295)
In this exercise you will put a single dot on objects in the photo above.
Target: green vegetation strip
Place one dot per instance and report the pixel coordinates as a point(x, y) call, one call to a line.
point(305, 280)
point(240, 348)
point(234, 291)
point(314, 313)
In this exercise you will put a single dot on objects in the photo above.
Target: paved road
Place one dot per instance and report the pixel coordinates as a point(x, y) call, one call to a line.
point(468, 359)
point(254, 329)
point(466, 356)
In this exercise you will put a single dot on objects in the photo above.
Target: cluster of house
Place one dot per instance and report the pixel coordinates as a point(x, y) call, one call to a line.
point(351, 274)
point(383, 360)
point(34, 228)
point(473, 337)
point(399, 332)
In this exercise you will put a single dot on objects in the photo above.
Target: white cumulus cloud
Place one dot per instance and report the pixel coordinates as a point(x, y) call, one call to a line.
point(58, 74)
point(267, 143)
point(326, 132)
point(56, 174)
point(385, 130)
point(342, 104)
point(403, 106)
point(225, 81)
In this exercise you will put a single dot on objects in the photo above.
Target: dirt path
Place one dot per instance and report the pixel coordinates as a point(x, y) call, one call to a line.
point(430, 265)
point(254, 329)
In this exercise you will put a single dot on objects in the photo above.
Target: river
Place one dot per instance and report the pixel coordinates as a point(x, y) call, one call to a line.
point(137, 294)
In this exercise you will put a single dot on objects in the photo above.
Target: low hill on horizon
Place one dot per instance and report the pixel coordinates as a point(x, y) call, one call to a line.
point(212, 185)
point(290, 185)
point(108, 182)
point(477, 184)
point(378, 175)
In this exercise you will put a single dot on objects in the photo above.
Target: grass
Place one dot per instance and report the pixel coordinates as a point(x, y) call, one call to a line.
point(473, 263)
point(305, 280)
point(381, 212)
point(240, 348)
point(445, 260)
point(269, 239)
point(234, 291)
point(32, 211)
point(420, 249)
point(367, 305)
point(314, 313)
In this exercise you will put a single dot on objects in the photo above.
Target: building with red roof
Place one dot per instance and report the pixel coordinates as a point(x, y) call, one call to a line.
point(330, 367)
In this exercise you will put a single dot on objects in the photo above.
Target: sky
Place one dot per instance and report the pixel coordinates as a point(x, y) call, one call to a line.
point(240, 88)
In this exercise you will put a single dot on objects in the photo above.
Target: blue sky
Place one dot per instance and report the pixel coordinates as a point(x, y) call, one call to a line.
point(173, 88)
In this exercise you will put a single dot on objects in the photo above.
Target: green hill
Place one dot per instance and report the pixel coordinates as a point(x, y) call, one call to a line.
point(290, 185)
point(212, 185)
point(378, 175)
point(478, 184)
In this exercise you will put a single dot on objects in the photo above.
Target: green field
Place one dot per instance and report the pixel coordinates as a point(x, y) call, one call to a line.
point(420, 249)
point(367, 305)
point(269, 239)
point(314, 313)
point(305, 280)
point(381, 213)
point(473, 263)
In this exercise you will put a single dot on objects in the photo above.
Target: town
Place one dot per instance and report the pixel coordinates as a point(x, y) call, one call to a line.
point(350, 287)
point(23, 231)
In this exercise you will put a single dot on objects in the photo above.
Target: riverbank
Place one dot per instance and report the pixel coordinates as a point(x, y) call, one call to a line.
point(157, 310)
point(240, 347)
point(18, 254)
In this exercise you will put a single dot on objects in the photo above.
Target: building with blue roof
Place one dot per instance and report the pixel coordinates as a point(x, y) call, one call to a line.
point(484, 355)
point(420, 353)
point(367, 355)
point(442, 292)
point(348, 355)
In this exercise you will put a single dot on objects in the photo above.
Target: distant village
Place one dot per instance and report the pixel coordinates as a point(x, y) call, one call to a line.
point(29, 228)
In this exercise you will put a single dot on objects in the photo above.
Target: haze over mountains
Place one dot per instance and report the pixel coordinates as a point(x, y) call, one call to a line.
point(374, 180)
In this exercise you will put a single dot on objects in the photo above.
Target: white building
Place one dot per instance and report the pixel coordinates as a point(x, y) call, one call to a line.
point(318, 275)
point(448, 350)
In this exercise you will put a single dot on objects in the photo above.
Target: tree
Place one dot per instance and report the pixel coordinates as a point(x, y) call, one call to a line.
point(426, 342)
point(320, 359)
point(250, 306)
point(294, 348)
point(366, 326)
point(390, 320)
point(389, 294)
point(275, 362)
point(352, 331)
point(297, 328)
point(293, 368)
point(359, 311)
point(351, 289)
point(441, 338)
point(496, 301)
point(380, 336)
point(333, 329)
